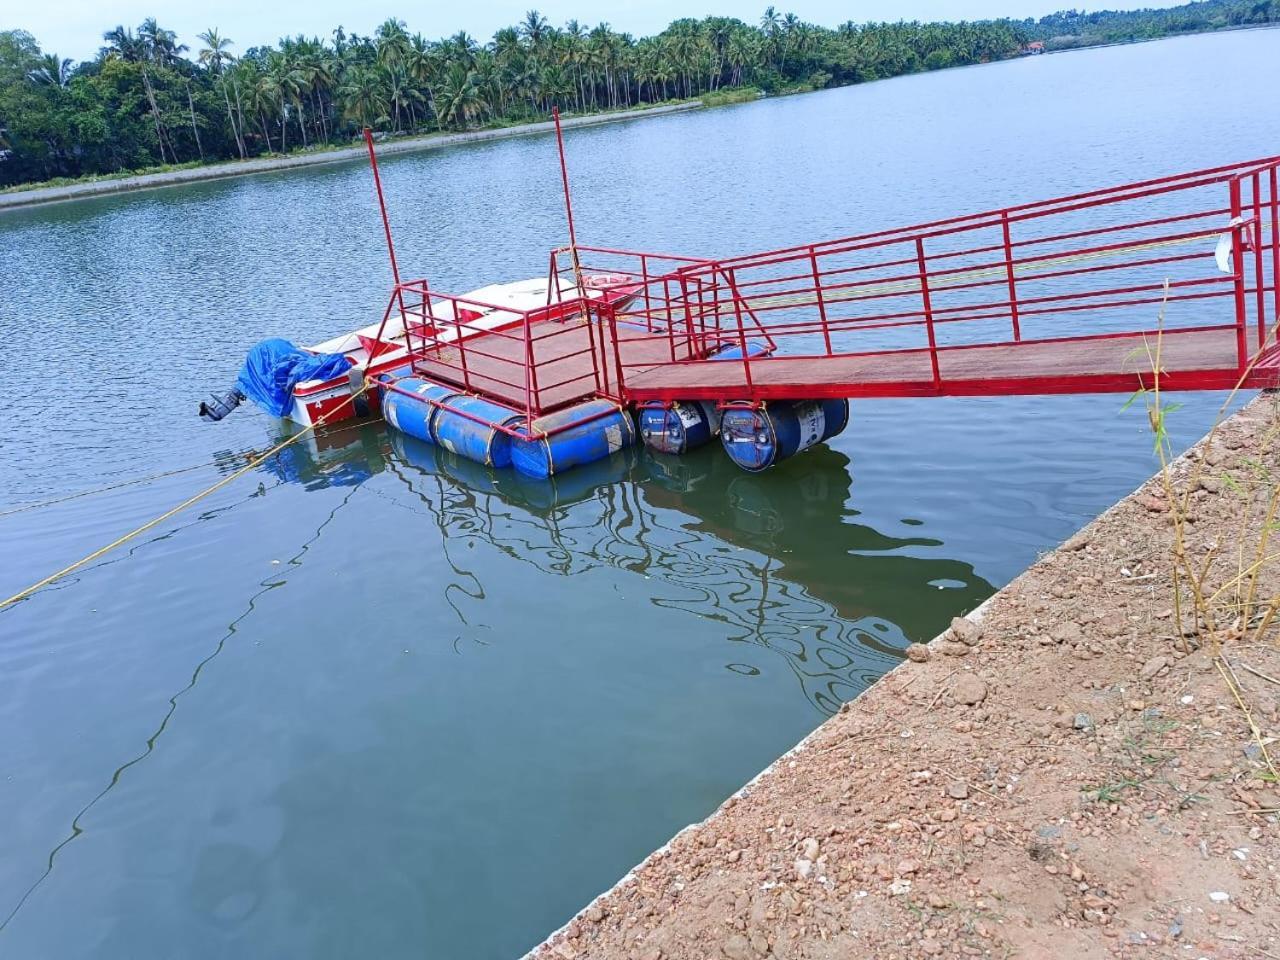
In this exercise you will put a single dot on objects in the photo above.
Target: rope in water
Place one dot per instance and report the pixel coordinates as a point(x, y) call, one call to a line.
point(23, 508)
point(251, 465)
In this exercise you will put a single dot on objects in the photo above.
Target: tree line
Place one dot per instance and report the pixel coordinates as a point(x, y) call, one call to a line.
point(148, 100)
point(1074, 28)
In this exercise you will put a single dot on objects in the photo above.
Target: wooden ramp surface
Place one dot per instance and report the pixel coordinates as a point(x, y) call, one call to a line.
point(568, 354)
point(1027, 367)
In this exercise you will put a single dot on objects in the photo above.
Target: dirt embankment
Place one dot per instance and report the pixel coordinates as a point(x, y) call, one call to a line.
point(1073, 775)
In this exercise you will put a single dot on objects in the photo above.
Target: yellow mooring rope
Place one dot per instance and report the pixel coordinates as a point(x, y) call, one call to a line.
point(251, 465)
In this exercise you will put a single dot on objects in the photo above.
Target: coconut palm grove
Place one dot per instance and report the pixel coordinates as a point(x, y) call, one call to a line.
point(150, 101)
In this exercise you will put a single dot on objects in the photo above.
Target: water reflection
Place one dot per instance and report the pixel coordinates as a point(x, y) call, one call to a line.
point(778, 560)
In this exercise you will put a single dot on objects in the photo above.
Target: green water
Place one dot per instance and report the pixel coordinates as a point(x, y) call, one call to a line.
point(373, 700)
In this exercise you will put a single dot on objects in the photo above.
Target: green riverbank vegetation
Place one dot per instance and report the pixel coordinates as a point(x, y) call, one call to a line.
point(148, 102)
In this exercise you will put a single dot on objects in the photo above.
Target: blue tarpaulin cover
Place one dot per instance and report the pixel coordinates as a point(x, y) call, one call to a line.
point(275, 366)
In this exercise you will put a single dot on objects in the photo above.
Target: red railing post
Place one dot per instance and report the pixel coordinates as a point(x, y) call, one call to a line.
point(1275, 254)
point(666, 299)
point(528, 389)
point(611, 312)
point(1237, 265)
point(530, 360)
point(462, 349)
point(822, 305)
point(553, 278)
point(1259, 274)
point(598, 364)
point(731, 278)
point(648, 302)
point(928, 313)
point(688, 316)
point(1008, 272)
point(703, 335)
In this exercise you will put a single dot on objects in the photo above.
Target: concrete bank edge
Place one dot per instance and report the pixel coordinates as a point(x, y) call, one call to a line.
point(152, 181)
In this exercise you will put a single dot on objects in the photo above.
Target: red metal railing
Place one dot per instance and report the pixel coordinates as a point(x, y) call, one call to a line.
point(912, 310)
point(529, 360)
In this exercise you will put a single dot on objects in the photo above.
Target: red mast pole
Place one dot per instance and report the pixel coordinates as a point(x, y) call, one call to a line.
point(391, 252)
point(568, 202)
point(382, 205)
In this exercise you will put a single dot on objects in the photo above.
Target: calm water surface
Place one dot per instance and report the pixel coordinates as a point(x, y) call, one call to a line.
point(377, 701)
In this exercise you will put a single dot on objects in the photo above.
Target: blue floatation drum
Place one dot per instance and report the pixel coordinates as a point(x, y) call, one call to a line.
point(683, 426)
point(607, 430)
point(412, 412)
point(478, 439)
point(756, 439)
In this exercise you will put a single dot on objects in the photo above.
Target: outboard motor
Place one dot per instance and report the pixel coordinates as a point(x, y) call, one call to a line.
point(217, 407)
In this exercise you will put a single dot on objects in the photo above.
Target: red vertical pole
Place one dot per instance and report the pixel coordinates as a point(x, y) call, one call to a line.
point(822, 305)
point(530, 355)
point(1008, 272)
point(648, 303)
point(462, 348)
point(928, 313)
point(568, 201)
point(742, 333)
point(1237, 264)
point(528, 383)
point(553, 279)
point(666, 299)
point(597, 360)
point(688, 317)
point(1259, 278)
point(611, 312)
point(1275, 249)
point(398, 295)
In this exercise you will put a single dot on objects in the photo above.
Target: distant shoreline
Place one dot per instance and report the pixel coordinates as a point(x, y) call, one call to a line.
point(240, 168)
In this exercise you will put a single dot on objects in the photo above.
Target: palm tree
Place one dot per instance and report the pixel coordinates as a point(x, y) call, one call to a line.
point(214, 56)
point(771, 24)
point(392, 43)
point(123, 44)
point(52, 72)
point(740, 51)
point(457, 100)
point(790, 26)
point(362, 97)
point(422, 64)
point(534, 28)
point(401, 96)
point(264, 95)
point(161, 46)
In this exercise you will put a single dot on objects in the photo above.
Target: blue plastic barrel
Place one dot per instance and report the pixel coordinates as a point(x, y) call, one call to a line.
point(414, 415)
point(611, 429)
point(757, 439)
point(477, 439)
point(683, 426)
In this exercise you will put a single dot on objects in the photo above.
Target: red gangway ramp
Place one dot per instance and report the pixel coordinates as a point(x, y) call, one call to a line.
point(1082, 294)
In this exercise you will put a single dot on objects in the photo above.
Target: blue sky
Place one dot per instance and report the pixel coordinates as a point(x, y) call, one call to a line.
point(73, 28)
